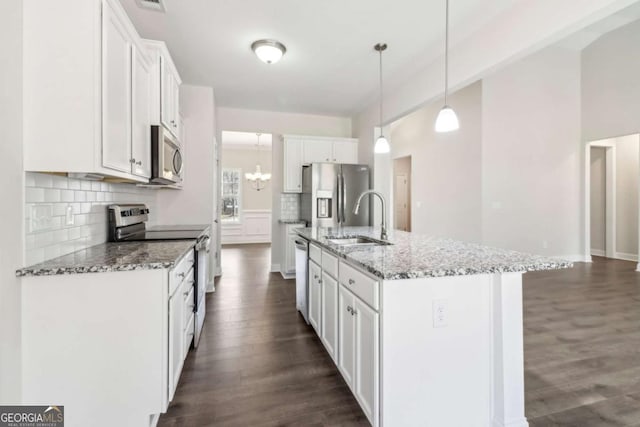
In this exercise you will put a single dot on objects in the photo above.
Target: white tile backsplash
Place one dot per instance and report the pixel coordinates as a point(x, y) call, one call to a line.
point(89, 200)
point(289, 206)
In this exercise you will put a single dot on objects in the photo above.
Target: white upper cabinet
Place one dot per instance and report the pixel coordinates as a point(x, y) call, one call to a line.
point(141, 115)
point(317, 151)
point(293, 165)
point(304, 150)
point(83, 90)
point(166, 83)
point(116, 92)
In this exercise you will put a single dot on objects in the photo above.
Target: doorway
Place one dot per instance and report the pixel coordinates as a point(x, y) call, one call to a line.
point(613, 197)
point(402, 193)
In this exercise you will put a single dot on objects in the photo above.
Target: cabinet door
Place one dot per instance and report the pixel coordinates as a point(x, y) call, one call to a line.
point(293, 166)
point(345, 152)
point(346, 336)
point(116, 93)
point(366, 384)
point(166, 94)
point(318, 151)
point(176, 108)
point(176, 320)
point(330, 314)
point(141, 115)
point(315, 296)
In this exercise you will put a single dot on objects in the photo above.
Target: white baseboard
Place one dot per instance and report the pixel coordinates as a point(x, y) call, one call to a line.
point(288, 275)
point(626, 257)
point(275, 268)
point(598, 252)
point(574, 258)
point(243, 240)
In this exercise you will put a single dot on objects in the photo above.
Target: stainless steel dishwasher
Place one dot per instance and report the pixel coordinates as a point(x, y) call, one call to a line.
point(302, 287)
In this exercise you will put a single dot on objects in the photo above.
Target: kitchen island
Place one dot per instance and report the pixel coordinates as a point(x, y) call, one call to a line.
point(425, 331)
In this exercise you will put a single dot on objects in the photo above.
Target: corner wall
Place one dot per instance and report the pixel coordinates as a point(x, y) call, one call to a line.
point(12, 196)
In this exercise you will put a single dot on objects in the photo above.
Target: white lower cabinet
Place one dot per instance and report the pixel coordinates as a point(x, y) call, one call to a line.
point(176, 361)
point(329, 317)
point(348, 326)
point(367, 351)
point(346, 336)
point(315, 296)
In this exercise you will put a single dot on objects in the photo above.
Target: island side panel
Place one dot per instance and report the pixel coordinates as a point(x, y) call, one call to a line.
point(508, 409)
point(94, 343)
point(436, 376)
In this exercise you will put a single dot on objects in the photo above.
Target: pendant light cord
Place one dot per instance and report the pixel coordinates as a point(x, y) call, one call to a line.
point(381, 97)
point(446, 52)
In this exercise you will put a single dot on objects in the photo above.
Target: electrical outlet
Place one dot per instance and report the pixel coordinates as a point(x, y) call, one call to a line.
point(41, 217)
point(440, 313)
point(69, 218)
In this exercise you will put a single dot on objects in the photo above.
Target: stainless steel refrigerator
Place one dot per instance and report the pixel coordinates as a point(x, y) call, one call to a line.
point(329, 193)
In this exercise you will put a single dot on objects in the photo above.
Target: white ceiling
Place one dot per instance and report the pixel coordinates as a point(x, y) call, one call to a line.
point(330, 66)
point(245, 139)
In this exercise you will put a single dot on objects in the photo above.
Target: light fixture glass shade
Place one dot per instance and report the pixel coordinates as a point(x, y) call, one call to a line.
point(269, 51)
point(257, 175)
point(447, 120)
point(382, 145)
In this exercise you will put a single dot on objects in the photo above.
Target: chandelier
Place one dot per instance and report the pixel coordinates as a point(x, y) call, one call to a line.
point(258, 179)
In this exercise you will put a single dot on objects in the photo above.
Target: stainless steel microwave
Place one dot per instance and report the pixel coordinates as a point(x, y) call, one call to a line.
point(166, 157)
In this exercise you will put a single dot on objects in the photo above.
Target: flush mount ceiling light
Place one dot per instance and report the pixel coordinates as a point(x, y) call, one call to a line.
point(258, 179)
point(382, 145)
point(447, 120)
point(269, 51)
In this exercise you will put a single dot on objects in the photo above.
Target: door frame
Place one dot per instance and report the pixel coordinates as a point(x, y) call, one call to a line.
point(408, 204)
point(610, 222)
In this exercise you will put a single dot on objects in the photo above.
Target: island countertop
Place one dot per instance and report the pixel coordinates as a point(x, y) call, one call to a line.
point(413, 255)
point(108, 257)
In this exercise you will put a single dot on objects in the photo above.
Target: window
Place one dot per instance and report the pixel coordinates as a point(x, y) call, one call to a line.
point(231, 185)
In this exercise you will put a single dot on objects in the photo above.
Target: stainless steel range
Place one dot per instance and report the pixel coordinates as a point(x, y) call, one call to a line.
point(127, 223)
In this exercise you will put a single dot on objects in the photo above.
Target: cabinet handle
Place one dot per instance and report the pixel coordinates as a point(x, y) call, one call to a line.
point(349, 308)
point(352, 282)
point(186, 293)
point(353, 312)
point(181, 274)
point(132, 160)
point(315, 276)
point(139, 163)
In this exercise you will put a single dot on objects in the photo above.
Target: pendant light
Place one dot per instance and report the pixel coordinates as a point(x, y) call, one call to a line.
point(258, 179)
point(447, 120)
point(382, 145)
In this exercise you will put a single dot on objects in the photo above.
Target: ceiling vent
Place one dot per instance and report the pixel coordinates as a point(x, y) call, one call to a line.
point(157, 5)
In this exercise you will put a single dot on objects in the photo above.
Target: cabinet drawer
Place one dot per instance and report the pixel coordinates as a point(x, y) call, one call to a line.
point(189, 300)
point(315, 253)
point(180, 271)
point(330, 264)
point(360, 284)
point(188, 334)
point(291, 228)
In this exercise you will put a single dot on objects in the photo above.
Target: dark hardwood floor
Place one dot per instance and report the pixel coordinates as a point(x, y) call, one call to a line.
point(582, 345)
point(259, 364)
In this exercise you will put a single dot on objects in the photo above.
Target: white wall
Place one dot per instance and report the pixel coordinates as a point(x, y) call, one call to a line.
point(446, 197)
point(610, 89)
point(11, 194)
point(627, 176)
point(278, 124)
point(598, 200)
point(531, 155)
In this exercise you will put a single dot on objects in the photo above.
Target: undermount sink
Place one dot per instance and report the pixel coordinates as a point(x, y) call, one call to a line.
point(357, 241)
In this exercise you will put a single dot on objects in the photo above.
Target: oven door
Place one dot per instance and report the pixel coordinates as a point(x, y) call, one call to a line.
point(166, 157)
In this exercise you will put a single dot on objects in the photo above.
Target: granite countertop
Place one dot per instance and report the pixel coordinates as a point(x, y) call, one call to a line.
point(291, 221)
point(415, 255)
point(108, 257)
